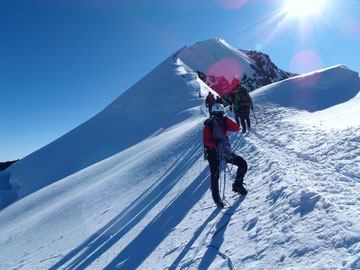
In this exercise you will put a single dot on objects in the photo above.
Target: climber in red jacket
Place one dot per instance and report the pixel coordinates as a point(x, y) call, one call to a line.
point(217, 147)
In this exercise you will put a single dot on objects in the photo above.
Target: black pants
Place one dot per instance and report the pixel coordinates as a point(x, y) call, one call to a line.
point(215, 167)
point(210, 108)
point(244, 116)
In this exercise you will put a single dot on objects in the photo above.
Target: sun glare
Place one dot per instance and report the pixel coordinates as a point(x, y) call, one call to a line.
point(304, 8)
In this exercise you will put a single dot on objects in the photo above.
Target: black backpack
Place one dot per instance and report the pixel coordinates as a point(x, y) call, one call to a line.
point(243, 97)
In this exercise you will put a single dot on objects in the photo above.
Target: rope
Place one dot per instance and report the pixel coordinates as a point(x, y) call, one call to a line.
point(232, 267)
point(222, 153)
point(226, 170)
point(221, 157)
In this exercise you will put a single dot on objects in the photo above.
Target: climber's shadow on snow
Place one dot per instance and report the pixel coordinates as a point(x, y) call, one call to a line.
point(101, 241)
point(218, 238)
point(220, 228)
point(196, 235)
point(156, 231)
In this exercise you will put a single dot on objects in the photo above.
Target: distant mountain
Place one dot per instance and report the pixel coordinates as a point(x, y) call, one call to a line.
point(266, 71)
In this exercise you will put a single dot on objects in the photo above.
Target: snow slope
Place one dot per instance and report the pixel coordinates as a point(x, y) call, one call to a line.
point(148, 204)
point(140, 112)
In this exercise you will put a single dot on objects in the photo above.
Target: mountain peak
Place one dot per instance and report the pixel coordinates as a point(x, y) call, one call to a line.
point(219, 64)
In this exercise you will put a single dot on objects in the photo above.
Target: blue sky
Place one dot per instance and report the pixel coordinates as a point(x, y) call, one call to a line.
point(61, 62)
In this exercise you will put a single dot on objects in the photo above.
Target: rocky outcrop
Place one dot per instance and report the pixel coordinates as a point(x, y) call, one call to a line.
point(265, 71)
point(4, 165)
point(262, 72)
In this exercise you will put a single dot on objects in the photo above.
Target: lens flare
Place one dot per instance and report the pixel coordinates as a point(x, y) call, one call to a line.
point(226, 67)
point(231, 4)
point(222, 74)
point(306, 61)
point(306, 30)
point(351, 29)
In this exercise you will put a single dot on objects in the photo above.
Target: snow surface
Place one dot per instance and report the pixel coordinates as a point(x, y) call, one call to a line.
point(147, 205)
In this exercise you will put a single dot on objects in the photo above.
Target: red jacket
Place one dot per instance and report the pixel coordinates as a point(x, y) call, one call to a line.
point(209, 137)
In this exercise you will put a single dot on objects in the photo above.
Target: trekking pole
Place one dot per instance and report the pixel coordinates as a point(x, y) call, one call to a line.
point(254, 116)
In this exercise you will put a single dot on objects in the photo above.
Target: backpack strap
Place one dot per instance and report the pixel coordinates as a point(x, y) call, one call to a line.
point(224, 123)
point(208, 122)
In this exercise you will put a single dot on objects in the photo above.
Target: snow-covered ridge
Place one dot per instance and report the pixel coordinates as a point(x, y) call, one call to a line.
point(140, 112)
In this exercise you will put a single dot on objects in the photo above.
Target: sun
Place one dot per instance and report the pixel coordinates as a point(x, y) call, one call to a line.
point(304, 8)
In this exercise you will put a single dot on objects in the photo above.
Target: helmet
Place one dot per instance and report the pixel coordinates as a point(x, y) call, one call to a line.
point(217, 108)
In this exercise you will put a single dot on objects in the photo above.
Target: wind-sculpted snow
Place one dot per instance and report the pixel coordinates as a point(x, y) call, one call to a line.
point(303, 201)
point(149, 206)
point(314, 91)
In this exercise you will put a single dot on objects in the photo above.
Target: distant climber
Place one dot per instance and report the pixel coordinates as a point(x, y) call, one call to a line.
point(243, 104)
point(232, 97)
point(210, 100)
point(218, 149)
